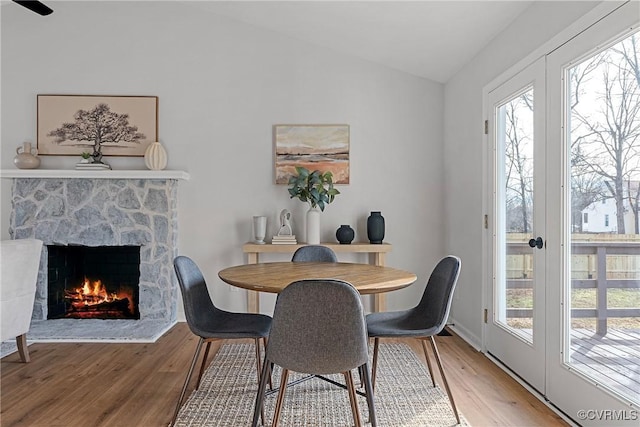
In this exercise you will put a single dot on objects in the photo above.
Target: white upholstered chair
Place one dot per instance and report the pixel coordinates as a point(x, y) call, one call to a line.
point(19, 266)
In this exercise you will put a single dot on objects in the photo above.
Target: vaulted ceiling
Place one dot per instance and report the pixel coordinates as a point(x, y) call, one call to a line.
point(430, 39)
point(426, 38)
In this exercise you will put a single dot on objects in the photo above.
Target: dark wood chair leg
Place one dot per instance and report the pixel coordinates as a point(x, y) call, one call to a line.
point(352, 398)
point(374, 367)
point(21, 341)
point(186, 381)
point(444, 378)
point(426, 356)
point(283, 387)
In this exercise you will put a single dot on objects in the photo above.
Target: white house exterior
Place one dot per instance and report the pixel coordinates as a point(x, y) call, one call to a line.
point(600, 216)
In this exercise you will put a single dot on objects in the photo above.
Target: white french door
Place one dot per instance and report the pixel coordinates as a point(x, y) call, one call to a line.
point(593, 357)
point(563, 241)
point(515, 331)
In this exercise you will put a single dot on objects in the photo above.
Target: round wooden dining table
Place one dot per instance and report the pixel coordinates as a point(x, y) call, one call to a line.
point(275, 276)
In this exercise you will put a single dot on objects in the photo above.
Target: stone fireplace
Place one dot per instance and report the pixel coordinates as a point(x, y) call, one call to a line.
point(104, 212)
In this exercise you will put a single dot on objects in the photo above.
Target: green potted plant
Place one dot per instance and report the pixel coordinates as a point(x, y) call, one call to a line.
point(85, 157)
point(315, 188)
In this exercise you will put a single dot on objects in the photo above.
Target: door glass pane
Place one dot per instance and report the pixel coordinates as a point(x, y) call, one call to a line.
point(604, 124)
point(514, 282)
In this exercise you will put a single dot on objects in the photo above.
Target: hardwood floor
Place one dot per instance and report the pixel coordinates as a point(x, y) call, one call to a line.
point(80, 384)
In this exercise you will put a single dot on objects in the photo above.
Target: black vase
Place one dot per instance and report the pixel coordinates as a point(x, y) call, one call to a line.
point(375, 228)
point(345, 234)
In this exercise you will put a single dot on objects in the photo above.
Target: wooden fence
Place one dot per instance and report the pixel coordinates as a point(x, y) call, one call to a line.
point(599, 264)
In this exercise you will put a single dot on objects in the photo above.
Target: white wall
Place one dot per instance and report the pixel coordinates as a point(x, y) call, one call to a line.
point(464, 149)
point(221, 86)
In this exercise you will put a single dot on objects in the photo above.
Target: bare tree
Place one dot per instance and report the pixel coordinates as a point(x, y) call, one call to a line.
point(586, 186)
point(630, 51)
point(519, 163)
point(98, 126)
point(609, 135)
point(633, 191)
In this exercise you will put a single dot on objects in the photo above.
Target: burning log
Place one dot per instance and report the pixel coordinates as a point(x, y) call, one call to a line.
point(121, 305)
point(93, 299)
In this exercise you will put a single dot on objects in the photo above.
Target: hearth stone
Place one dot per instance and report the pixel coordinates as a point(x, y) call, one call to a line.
point(104, 212)
point(108, 331)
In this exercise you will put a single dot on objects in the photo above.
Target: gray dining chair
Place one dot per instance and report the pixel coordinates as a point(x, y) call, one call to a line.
point(307, 338)
point(314, 253)
point(210, 323)
point(423, 321)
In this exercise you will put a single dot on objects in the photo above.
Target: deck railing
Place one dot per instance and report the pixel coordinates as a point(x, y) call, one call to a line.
point(595, 276)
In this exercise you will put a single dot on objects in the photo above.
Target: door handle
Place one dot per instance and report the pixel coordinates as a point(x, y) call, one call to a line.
point(537, 242)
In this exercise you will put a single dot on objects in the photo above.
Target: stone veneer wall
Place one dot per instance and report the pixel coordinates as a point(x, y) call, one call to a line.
point(104, 212)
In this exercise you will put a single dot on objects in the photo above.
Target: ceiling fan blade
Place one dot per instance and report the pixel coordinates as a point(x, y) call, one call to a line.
point(36, 6)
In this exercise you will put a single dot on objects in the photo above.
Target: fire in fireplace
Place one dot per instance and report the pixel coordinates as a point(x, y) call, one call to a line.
point(93, 298)
point(87, 282)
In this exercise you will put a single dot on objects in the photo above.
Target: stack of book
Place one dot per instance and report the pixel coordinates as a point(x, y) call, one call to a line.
point(93, 166)
point(284, 240)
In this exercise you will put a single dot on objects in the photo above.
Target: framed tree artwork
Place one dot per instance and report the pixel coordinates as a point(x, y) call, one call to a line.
point(70, 125)
point(315, 147)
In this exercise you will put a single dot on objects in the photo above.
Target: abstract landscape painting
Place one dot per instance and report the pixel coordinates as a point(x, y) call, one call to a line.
point(315, 147)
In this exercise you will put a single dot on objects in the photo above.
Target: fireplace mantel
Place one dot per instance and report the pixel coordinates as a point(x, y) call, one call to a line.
point(106, 174)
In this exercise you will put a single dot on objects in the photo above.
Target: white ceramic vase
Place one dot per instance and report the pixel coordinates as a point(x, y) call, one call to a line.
point(259, 229)
point(313, 226)
point(26, 157)
point(155, 156)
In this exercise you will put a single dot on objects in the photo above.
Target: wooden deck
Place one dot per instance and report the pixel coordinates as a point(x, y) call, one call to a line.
point(612, 359)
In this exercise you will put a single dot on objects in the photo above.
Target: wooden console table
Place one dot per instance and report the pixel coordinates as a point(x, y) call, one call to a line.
point(377, 257)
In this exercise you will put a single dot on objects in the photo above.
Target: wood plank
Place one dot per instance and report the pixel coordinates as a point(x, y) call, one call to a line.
point(604, 348)
point(138, 384)
point(484, 393)
point(606, 360)
point(609, 378)
point(628, 338)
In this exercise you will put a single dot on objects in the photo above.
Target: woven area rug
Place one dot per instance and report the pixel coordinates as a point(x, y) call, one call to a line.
point(404, 395)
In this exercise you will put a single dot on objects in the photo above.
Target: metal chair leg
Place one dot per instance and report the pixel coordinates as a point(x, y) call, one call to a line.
point(352, 398)
point(283, 388)
point(270, 375)
point(374, 367)
point(259, 367)
point(204, 363)
point(444, 378)
point(264, 345)
point(426, 356)
point(369, 390)
point(259, 406)
point(186, 381)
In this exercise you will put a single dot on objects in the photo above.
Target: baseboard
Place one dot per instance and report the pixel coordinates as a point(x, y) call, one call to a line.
point(465, 334)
